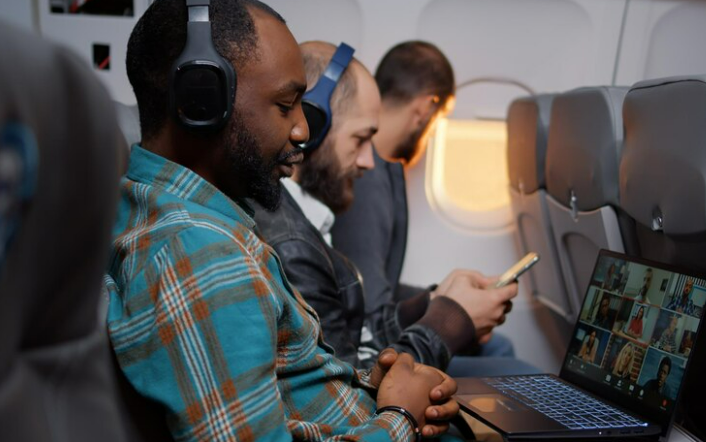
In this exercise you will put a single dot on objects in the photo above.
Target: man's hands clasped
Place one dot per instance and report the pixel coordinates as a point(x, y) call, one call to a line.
point(424, 391)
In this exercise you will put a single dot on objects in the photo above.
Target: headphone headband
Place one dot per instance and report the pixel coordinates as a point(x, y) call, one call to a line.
point(202, 83)
point(197, 11)
point(317, 102)
point(339, 62)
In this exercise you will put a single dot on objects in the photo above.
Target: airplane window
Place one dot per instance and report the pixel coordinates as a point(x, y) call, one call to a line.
point(466, 176)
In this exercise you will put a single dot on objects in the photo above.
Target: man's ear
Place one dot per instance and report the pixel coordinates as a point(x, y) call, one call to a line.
point(422, 107)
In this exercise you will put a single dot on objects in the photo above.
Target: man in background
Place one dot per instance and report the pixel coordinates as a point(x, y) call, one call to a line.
point(417, 86)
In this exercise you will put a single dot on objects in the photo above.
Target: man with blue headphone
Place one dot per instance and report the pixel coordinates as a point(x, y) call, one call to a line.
point(343, 111)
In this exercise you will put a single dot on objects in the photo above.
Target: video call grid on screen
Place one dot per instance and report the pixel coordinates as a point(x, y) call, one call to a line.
point(636, 329)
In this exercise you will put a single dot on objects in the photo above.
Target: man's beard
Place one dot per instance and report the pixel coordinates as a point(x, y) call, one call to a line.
point(252, 170)
point(408, 150)
point(321, 176)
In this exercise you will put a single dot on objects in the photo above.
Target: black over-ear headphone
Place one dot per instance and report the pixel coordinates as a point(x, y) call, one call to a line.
point(317, 102)
point(202, 83)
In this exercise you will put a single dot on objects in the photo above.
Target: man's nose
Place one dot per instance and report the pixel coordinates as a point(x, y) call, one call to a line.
point(365, 157)
point(300, 131)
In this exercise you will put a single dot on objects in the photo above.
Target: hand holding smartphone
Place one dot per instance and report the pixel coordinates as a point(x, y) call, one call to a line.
point(517, 269)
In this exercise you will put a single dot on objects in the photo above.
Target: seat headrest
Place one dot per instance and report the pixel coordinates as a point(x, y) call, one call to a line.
point(663, 169)
point(129, 122)
point(584, 147)
point(54, 266)
point(527, 129)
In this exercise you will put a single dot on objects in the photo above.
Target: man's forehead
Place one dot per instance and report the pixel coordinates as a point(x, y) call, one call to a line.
point(361, 119)
point(367, 103)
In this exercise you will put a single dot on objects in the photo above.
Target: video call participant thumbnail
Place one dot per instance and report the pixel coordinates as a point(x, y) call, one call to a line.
point(624, 360)
point(658, 384)
point(589, 344)
point(682, 302)
point(636, 321)
point(635, 326)
point(660, 376)
point(604, 315)
point(667, 339)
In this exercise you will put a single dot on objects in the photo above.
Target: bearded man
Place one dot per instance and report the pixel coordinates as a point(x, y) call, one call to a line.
point(434, 325)
point(417, 87)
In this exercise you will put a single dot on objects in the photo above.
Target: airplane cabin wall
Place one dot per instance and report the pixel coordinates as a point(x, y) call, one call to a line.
point(549, 45)
point(18, 12)
point(662, 39)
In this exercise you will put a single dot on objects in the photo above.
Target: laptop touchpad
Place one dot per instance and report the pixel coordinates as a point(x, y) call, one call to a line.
point(491, 403)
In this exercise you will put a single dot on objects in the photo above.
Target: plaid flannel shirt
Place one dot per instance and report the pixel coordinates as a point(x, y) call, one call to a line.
point(203, 320)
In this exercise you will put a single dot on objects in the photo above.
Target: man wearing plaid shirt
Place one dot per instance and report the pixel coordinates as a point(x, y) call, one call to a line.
point(202, 319)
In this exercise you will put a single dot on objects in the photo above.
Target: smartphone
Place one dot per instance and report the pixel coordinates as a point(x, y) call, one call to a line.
point(516, 270)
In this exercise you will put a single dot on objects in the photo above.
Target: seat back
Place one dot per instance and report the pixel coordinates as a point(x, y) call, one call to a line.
point(527, 131)
point(56, 381)
point(583, 152)
point(663, 188)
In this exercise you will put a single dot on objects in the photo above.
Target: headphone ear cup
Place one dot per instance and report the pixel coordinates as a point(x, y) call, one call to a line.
point(202, 83)
point(318, 120)
point(316, 103)
point(200, 95)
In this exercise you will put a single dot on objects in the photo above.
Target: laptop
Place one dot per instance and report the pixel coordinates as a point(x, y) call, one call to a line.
point(624, 368)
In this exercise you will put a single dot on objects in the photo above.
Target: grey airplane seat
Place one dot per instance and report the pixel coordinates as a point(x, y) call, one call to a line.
point(129, 122)
point(663, 188)
point(527, 131)
point(583, 154)
point(60, 155)
point(663, 171)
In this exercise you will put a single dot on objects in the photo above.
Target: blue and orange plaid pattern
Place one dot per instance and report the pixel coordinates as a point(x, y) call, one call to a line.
point(203, 321)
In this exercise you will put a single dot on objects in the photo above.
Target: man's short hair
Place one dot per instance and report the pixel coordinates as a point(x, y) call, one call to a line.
point(665, 361)
point(160, 36)
point(315, 62)
point(414, 68)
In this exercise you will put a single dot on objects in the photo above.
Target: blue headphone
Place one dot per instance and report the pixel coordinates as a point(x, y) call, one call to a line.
point(202, 83)
point(18, 177)
point(317, 102)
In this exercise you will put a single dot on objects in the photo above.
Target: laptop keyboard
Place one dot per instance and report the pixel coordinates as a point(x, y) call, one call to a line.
point(566, 405)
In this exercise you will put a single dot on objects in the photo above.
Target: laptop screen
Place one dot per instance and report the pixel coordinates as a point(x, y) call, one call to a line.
point(636, 332)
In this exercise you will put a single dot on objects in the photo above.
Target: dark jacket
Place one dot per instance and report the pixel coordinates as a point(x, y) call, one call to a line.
point(378, 250)
point(331, 284)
